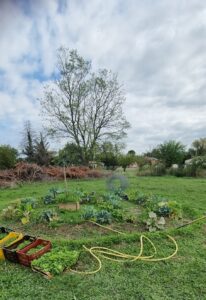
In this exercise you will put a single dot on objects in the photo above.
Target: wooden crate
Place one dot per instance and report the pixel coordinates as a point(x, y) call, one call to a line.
point(72, 206)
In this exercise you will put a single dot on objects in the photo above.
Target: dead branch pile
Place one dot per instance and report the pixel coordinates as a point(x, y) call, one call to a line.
point(32, 172)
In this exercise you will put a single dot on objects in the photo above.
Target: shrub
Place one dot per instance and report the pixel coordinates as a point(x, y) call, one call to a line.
point(178, 172)
point(158, 170)
point(8, 157)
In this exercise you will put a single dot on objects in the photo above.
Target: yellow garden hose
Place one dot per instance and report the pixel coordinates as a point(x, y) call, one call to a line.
point(117, 256)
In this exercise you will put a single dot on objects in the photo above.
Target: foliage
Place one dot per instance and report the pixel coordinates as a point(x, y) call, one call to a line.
point(48, 199)
point(89, 213)
point(178, 172)
point(131, 152)
point(51, 197)
point(158, 169)
point(125, 160)
point(199, 147)
point(153, 223)
point(42, 155)
point(103, 217)
point(88, 198)
point(19, 211)
point(141, 198)
point(170, 152)
point(69, 155)
point(159, 205)
point(28, 142)
point(83, 105)
point(8, 157)
point(56, 261)
point(48, 216)
point(110, 160)
point(9, 213)
point(29, 202)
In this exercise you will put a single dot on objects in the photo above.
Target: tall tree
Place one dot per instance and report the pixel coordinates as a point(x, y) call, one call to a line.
point(199, 147)
point(170, 152)
point(28, 142)
point(42, 155)
point(84, 106)
point(108, 153)
point(125, 160)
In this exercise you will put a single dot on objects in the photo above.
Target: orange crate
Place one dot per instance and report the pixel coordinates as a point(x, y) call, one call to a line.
point(26, 259)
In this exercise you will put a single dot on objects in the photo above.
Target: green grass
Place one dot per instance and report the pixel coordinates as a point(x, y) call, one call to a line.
point(182, 277)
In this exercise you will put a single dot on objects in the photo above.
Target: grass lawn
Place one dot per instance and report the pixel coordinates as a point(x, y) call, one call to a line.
point(182, 277)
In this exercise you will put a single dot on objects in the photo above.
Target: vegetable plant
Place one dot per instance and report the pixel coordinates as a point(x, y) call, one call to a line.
point(56, 261)
point(154, 223)
point(103, 217)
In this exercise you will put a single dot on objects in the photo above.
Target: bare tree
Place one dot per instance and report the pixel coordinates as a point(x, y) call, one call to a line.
point(86, 107)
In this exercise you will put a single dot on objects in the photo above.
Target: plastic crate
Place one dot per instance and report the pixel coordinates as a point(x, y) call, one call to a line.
point(11, 235)
point(5, 231)
point(26, 259)
point(10, 252)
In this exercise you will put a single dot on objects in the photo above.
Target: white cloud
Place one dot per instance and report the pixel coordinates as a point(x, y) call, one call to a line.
point(157, 48)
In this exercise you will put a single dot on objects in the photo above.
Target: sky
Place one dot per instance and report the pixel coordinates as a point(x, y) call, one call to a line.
point(157, 48)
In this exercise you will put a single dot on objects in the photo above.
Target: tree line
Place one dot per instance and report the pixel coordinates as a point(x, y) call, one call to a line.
point(35, 149)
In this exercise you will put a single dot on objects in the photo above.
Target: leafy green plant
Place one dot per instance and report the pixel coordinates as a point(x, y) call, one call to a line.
point(29, 202)
point(117, 215)
point(48, 216)
point(89, 213)
point(119, 192)
point(141, 199)
point(48, 199)
point(163, 209)
point(56, 261)
point(10, 213)
point(153, 223)
point(88, 198)
point(103, 217)
point(54, 192)
point(113, 200)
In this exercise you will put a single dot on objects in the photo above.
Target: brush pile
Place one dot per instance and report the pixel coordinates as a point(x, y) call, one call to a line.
point(32, 172)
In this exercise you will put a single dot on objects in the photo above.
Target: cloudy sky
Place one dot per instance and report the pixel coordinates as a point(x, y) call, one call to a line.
point(158, 49)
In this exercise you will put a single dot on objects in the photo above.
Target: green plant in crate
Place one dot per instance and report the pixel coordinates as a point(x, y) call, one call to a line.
point(56, 261)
